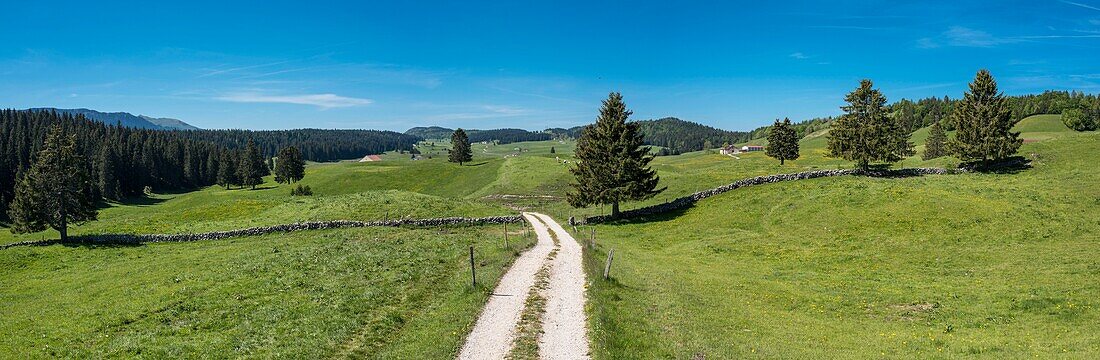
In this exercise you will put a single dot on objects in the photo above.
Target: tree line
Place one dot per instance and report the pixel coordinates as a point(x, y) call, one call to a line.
point(123, 162)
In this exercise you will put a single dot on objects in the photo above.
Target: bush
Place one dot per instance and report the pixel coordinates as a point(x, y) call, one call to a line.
point(1079, 120)
point(301, 191)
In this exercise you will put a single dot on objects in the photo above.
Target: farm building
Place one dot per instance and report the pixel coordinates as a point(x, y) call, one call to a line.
point(370, 158)
point(748, 148)
point(732, 150)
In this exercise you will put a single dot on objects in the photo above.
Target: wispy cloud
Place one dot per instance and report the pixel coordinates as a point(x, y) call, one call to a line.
point(240, 68)
point(843, 27)
point(799, 56)
point(964, 36)
point(323, 101)
point(927, 43)
point(1081, 5)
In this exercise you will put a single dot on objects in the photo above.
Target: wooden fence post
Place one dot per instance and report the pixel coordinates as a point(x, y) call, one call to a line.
point(505, 234)
point(593, 238)
point(606, 268)
point(473, 271)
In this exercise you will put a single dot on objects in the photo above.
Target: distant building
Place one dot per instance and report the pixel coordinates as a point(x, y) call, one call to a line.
point(748, 148)
point(729, 150)
point(370, 158)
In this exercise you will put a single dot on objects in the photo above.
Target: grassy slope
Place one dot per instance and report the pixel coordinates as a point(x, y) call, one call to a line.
point(400, 293)
point(940, 266)
point(345, 190)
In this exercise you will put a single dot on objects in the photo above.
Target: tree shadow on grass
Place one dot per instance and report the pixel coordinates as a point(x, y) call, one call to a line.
point(1011, 165)
point(477, 164)
point(87, 243)
point(669, 215)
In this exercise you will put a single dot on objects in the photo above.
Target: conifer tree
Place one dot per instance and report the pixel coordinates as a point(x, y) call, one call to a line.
point(551, 149)
point(251, 167)
point(782, 141)
point(289, 167)
point(56, 190)
point(227, 169)
point(109, 186)
point(934, 147)
point(612, 163)
point(460, 148)
point(1077, 119)
point(983, 123)
point(865, 134)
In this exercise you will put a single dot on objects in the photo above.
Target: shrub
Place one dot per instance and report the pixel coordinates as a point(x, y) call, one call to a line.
point(1079, 120)
point(301, 191)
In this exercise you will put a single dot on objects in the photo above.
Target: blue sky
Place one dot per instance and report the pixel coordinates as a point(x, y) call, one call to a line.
point(527, 64)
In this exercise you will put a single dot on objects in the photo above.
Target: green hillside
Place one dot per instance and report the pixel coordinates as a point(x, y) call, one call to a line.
point(936, 266)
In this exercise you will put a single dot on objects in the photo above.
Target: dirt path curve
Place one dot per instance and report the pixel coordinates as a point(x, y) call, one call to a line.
point(565, 334)
point(495, 329)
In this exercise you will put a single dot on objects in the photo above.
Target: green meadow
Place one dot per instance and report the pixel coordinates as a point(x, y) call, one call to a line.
point(993, 265)
point(987, 265)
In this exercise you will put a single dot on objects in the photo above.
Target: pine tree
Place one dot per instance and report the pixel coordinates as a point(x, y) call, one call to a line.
point(227, 169)
point(460, 148)
point(865, 133)
point(983, 123)
point(612, 163)
point(1076, 119)
point(551, 149)
point(251, 167)
point(934, 147)
point(109, 185)
point(56, 190)
point(289, 167)
point(782, 141)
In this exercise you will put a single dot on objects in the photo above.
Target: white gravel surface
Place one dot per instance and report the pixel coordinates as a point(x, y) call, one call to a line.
point(495, 329)
point(564, 323)
point(565, 334)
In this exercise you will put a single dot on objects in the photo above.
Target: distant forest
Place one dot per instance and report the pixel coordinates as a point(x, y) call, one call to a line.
point(502, 136)
point(124, 160)
point(915, 115)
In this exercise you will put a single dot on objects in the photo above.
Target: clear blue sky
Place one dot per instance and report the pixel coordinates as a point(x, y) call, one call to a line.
point(527, 64)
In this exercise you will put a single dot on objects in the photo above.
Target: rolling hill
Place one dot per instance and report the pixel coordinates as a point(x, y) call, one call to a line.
point(126, 119)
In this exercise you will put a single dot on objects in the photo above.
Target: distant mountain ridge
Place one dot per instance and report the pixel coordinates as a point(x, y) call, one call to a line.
point(126, 119)
point(174, 124)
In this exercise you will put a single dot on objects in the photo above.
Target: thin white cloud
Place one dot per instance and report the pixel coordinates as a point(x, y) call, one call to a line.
point(1081, 5)
point(967, 37)
point(230, 70)
point(843, 27)
point(927, 43)
point(799, 56)
point(323, 101)
point(1061, 37)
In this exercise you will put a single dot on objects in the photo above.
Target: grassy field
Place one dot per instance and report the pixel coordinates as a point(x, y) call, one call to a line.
point(386, 293)
point(1001, 265)
point(993, 265)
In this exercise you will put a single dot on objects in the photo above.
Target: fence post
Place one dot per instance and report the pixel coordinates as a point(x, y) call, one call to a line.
point(606, 268)
point(505, 234)
point(593, 238)
point(473, 271)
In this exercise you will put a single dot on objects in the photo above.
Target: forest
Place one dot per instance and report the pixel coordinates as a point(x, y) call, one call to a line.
point(124, 161)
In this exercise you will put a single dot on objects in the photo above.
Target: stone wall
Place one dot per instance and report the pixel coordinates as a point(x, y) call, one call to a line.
point(687, 201)
point(263, 230)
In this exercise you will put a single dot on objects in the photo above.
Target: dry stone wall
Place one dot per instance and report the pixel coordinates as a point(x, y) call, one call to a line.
point(687, 201)
point(263, 230)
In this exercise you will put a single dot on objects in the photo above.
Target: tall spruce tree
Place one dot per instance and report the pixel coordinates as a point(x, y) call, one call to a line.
point(56, 191)
point(460, 148)
point(251, 167)
point(289, 167)
point(865, 134)
point(936, 144)
point(612, 163)
point(782, 141)
point(227, 169)
point(109, 185)
point(983, 123)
